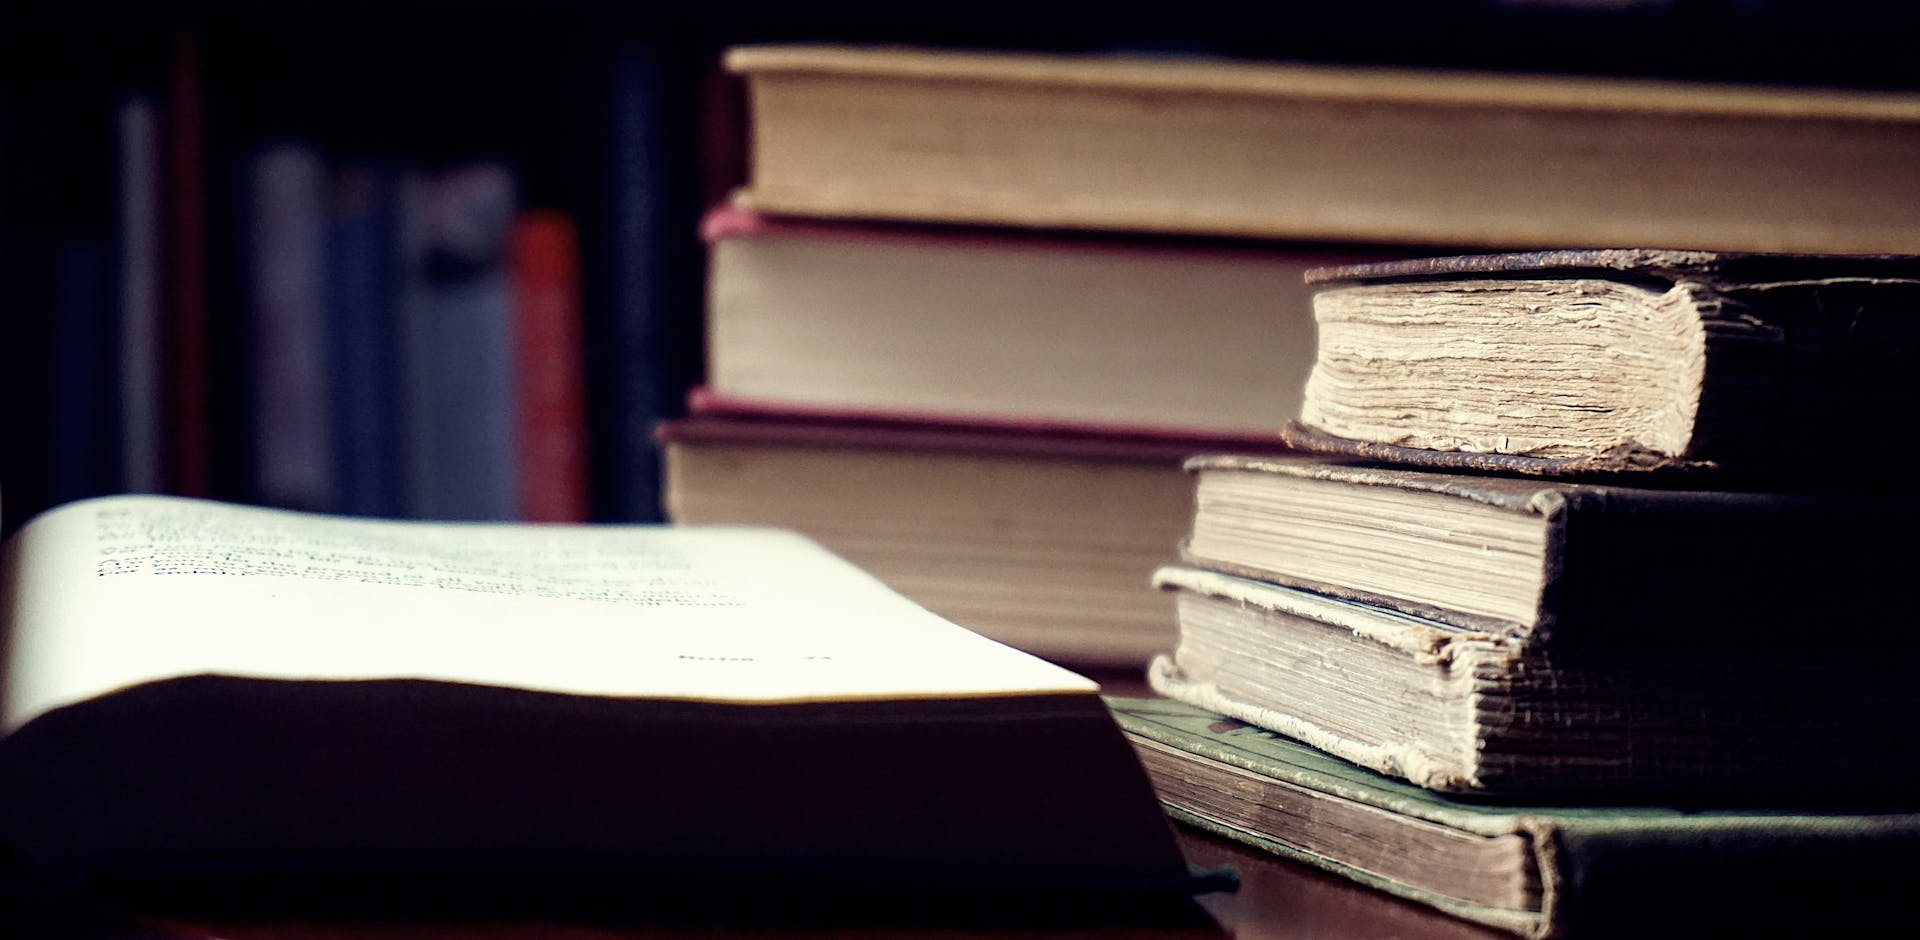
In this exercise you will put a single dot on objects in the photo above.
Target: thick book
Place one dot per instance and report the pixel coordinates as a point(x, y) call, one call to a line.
point(1496, 634)
point(1536, 870)
point(1218, 145)
point(1036, 537)
point(1608, 362)
point(1099, 332)
point(200, 694)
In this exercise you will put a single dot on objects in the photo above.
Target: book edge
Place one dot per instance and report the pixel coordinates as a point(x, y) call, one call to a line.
point(1241, 77)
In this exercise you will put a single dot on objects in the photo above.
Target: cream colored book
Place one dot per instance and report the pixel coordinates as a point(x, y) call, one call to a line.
point(1489, 634)
point(1042, 541)
point(1232, 146)
point(200, 690)
point(1122, 334)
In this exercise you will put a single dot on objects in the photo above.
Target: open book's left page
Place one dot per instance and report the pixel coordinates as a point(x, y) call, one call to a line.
point(107, 593)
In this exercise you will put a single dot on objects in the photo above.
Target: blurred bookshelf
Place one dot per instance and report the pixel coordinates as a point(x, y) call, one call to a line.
point(139, 352)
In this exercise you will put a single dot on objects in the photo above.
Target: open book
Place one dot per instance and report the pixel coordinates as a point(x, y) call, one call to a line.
point(194, 690)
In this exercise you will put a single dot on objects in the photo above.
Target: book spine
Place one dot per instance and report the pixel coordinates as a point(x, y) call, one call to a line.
point(551, 387)
point(142, 333)
point(363, 255)
point(645, 346)
point(456, 344)
point(292, 454)
point(1834, 875)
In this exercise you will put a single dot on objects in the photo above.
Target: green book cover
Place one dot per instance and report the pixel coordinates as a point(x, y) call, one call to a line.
point(1537, 870)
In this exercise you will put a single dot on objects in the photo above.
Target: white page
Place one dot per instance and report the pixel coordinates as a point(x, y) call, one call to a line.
point(120, 590)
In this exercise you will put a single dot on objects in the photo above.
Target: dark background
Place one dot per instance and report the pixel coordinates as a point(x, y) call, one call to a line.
point(615, 114)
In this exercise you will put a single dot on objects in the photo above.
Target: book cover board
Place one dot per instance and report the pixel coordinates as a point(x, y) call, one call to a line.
point(1217, 145)
point(1575, 870)
point(971, 323)
point(1607, 568)
point(1489, 634)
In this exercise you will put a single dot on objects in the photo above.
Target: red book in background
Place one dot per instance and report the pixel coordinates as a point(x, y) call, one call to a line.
point(551, 393)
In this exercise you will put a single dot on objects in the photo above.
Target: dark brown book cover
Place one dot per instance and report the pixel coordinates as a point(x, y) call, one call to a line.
point(1628, 569)
point(1829, 348)
point(1733, 269)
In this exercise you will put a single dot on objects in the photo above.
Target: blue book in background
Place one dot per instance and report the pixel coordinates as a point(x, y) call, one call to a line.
point(645, 334)
point(363, 278)
point(455, 314)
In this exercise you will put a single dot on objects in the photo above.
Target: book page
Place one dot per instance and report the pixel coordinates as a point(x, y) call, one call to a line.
point(115, 591)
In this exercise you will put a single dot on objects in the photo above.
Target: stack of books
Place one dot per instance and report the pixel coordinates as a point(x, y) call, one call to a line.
point(1096, 260)
point(991, 414)
point(222, 710)
point(1565, 616)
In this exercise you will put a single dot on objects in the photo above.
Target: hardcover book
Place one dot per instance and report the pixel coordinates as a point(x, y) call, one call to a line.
point(1532, 869)
point(1610, 362)
point(1493, 634)
point(1216, 145)
point(1131, 334)
point(1038, 538)
point(198, 692)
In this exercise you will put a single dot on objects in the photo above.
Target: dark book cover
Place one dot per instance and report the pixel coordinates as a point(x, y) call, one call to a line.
point(1598, 869)
point(644, 336)
point(363, 265)
point(1798, 351)
point(1624, 570)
